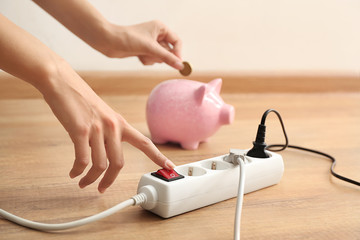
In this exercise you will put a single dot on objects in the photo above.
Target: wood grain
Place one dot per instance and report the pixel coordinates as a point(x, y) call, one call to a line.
point(36, 155)
point(128, 83)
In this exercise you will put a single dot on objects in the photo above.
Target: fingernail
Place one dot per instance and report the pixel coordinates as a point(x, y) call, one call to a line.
point(102, 190)
point(179, 65)
point(169, 164)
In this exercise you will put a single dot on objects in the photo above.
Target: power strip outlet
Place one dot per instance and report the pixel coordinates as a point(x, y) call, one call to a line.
point(208, 181)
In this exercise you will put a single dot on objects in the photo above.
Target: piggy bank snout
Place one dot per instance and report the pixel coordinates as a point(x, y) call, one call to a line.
point(227, 114)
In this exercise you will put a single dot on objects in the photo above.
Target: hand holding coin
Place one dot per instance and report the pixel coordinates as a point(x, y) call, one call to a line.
point(186, 71)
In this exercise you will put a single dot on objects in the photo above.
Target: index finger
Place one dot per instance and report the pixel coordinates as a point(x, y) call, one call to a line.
point(175, 41)
point(166, 56)
point(138, 140)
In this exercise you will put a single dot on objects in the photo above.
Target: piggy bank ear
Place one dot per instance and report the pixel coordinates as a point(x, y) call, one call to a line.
point(216, 84)
point(200, 93)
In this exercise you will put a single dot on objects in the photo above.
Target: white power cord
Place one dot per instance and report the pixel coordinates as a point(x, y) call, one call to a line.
point(240, 198)
point(138, 199)
point(237, 158)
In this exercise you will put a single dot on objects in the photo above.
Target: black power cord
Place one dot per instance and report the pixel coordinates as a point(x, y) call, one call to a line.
point(260, 146)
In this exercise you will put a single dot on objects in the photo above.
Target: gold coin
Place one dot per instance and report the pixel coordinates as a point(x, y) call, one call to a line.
point(186, 71)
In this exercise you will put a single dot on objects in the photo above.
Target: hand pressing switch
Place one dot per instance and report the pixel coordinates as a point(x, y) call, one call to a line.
point(167, 175)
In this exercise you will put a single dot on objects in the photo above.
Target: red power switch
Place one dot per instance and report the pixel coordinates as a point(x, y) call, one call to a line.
point(167, 175)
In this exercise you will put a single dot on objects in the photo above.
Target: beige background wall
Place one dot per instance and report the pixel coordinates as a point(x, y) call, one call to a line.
point(307, 36)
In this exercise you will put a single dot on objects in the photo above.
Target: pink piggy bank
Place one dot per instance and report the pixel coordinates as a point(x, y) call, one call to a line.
point(187, 112)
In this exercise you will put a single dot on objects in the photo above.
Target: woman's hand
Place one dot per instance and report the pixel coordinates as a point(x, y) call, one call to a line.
point(152, 42)
point(95, 129)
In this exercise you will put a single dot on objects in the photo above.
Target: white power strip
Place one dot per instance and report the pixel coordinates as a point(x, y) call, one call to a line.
point(207, 182)
point(191, 186)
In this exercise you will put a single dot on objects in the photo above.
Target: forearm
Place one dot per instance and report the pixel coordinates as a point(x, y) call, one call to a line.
point(81, 18)
point(24, 56)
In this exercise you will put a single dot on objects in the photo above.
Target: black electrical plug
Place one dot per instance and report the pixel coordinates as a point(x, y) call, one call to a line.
point(258, 150)
point(260, 147)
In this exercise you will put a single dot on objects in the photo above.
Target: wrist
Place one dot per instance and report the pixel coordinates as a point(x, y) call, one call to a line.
point(113, 41)
point(57, 78)
point(101, 37)
point(46, 76)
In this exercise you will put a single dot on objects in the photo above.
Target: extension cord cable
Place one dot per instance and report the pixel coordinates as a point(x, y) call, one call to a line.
point(135, 200)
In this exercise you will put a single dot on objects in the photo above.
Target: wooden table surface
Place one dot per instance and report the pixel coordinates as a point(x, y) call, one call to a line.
point(36, 155)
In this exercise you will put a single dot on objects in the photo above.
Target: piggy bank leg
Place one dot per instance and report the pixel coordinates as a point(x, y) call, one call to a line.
point(190, 145)
point(206, 140)
point(158, 140)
